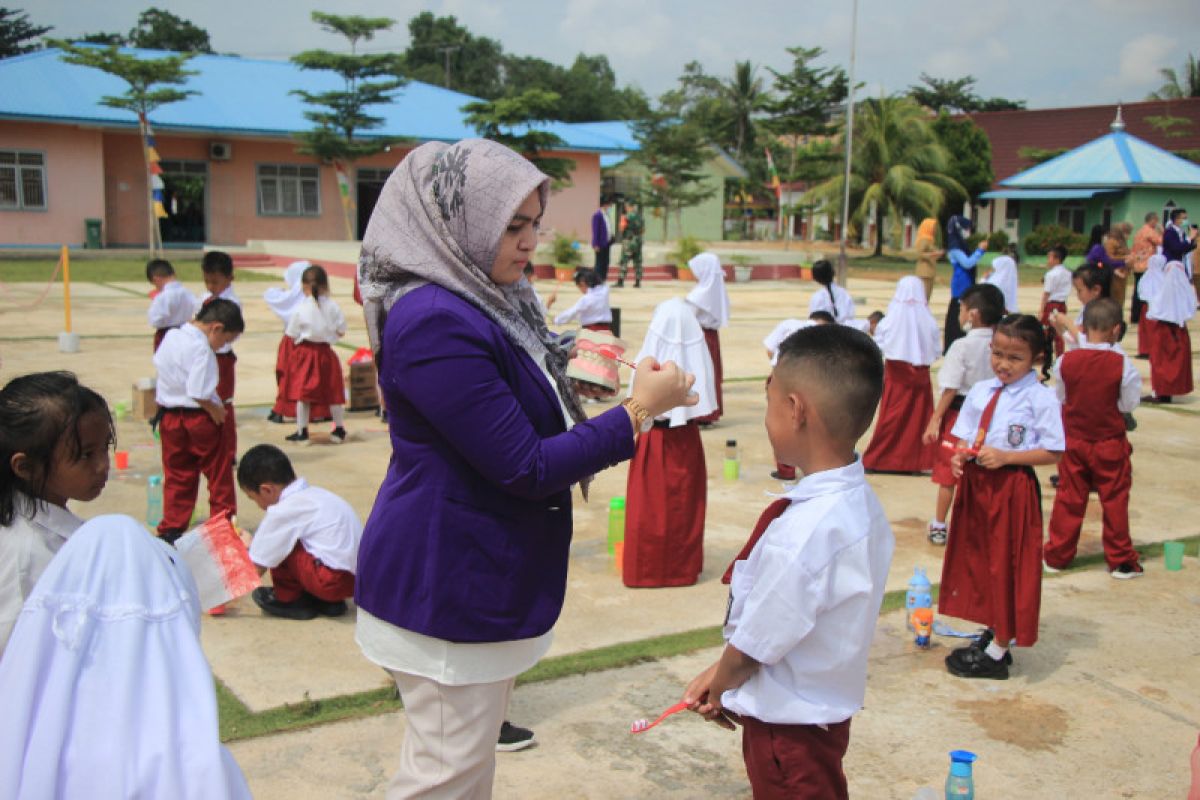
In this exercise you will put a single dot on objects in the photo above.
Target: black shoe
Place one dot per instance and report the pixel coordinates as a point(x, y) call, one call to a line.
point(339, 435)
point(299, 436)
point(171, 536)
point(274, 417)
point(968, 662)
point(1054, 481)
point(620, 285)
point(1126, 571)
point(983, 641)
point(779, 476)
point(637, 285)
point(327, 608)
point(1130, 422)
point(513, 738)
point(264, 598)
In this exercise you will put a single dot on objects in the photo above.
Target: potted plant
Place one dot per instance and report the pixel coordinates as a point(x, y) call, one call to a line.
point(686, 249)
point(743, 268)
point(566, 257)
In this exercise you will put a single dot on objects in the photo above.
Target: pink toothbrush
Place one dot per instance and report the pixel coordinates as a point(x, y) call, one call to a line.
point(641, 725)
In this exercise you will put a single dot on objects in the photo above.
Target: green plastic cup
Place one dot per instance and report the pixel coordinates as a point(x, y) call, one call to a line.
point(1173, 555)
point(732, 469)
point(120, 410)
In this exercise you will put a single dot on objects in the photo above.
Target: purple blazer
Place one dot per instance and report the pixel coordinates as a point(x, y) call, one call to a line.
point(600, 229)
point(1174, 246)
point(471, 528)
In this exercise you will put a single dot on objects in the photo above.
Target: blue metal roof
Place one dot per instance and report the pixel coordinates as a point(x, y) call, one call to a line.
point(1046, 194)
point(249, 97)
point(1116, 160)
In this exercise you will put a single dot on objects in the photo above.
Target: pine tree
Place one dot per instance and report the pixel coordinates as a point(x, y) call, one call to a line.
point(674, 151)
point(511, 120)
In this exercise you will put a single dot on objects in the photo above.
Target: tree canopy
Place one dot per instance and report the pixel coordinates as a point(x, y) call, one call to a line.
point(17, 33)
point(1178, 85)
point(957, 95)
point(512, 121)
point(673, 150)
point(156, 29)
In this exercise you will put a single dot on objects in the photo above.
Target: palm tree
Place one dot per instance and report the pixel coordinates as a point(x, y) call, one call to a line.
point(898, 166)
point(744, 97)
point(1174, 88)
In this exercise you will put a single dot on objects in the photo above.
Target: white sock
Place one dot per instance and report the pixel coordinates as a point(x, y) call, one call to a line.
point(339, 416)
point(301, 415)
point(995, 651)
point(941, 526)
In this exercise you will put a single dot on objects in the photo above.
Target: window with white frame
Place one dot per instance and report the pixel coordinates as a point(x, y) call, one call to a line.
point(289, 190)
point(22, 180)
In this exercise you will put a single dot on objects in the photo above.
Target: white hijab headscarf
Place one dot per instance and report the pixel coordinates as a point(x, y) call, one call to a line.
point(1152, 279)
point(908, 332)
point(1004, 277)
point(285, 301)
point(675, 335)
point(1175, 300)
point(104, 688)
point(709, 297)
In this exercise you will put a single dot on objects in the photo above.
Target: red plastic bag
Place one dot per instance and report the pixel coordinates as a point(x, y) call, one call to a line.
point(362, 355)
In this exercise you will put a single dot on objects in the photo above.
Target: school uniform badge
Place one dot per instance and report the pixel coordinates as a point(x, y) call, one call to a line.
point(1016, 435)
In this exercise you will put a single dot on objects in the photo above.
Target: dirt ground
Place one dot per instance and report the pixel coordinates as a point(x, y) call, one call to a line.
point(1085, 715)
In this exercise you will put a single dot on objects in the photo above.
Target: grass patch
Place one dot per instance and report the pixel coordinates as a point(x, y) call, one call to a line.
point(115, 270)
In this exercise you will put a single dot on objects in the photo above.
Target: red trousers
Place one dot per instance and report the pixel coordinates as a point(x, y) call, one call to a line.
point(712, 338)
point(226, 381)
point(192, 444)
point(300, 572)
point(1105, 467)
point(906, 405)
point(1049, 330)
point(795, 762)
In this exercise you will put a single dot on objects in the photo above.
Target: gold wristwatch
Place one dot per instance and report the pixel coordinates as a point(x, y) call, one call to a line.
point(641, 417)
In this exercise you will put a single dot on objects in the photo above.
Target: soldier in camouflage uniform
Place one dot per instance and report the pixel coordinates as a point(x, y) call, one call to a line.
point(631, 247)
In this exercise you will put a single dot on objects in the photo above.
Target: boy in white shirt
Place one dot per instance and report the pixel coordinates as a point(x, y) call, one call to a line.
point(217, 268)
point(173, 305)
point(804, 599)
point(308, 539)
point(1056, 287)
point(592, 310)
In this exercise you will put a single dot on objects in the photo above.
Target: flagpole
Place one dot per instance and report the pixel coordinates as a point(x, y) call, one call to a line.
point(151, 219)
point(843, 266)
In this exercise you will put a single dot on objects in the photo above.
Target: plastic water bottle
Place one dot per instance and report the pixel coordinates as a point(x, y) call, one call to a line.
point(960, 785)
point(919, 595)
point(733, 464)
point(154, 500)
point(616, 523)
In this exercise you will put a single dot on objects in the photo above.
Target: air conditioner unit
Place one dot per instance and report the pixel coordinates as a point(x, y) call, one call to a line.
point(220, 151)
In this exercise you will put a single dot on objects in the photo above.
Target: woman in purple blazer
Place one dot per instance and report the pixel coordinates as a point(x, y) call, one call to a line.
point(463, 562)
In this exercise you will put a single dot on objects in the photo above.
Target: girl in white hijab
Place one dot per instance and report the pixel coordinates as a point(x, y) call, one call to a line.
point(1171, 306)
point(908, 337)
point(284, 303)
point(666, 491)
point(1004, 277)
point(1147, 288)
point(710, 302)
point(105, 690)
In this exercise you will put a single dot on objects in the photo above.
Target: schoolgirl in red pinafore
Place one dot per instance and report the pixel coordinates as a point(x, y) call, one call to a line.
point(1148, 287)
point(710, 303)
point(992, 573)
point(1171, 345)
point(909, 337)
point(313, 373)
point(284, 302)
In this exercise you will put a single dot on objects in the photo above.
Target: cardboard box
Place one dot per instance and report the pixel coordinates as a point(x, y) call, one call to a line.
point(144, 405)
point(364, 392)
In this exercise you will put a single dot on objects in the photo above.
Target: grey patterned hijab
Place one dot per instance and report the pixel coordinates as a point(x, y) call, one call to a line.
point(439, 220)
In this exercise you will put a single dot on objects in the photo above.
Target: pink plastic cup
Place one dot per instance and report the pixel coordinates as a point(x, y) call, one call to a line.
point(122, 459)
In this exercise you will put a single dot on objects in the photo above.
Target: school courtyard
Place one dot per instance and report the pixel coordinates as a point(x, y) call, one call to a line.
point(1105, 706)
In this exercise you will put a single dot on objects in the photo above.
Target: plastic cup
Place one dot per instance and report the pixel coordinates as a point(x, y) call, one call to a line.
point(1173, 555)
point(120, 410)
point(122, 459)
point(732, 469)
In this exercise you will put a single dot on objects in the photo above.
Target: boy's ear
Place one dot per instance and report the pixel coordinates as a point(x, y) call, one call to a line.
point(21, 466)
point(798, 409)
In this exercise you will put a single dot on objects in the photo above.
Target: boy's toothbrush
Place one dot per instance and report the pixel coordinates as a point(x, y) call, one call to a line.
point(641, 725)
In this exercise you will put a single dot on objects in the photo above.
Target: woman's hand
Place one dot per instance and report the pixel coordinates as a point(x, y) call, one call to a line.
point(593, 390)
point(661, 387)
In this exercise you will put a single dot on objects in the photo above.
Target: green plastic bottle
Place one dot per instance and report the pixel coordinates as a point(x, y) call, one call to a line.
point(616, 523)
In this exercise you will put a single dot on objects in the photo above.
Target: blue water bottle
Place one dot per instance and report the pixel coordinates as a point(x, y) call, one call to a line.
point(960, 785)
point(154, 500)
point(919, 595)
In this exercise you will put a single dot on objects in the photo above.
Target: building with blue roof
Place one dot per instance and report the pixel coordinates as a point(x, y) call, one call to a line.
point(230, 162)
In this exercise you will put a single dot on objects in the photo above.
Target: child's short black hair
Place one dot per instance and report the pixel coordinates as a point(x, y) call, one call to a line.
point(822, 316)
point(217, 261)
point(159, 268)
point(1026, 328)
point(875, 316)
point(822, 272)
point(1060, 251)
point(588, 277)
point(1089, 275)
point(37, 413)
point(223, 311)
point(318, 277)
point(846, 367)
point(1102, 314)
point(264, 463)
point(988, 300)
point(1177, 213)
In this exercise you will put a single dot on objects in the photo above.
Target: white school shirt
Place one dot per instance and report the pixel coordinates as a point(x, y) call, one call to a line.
point(1131, 379)
point(26, 547)
point(1057, 284)
point(187, 369)
point(1027, 417)
point(323, 523)
point(589, 309)
point(172, 307)
point(842, 305)
point(806, 602)
point(318, 321)
point(782, 331)
point(226, 294)
point(967, 362)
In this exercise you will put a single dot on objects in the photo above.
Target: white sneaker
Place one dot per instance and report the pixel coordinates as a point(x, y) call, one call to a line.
point(1125, 572)
point(1049, 569)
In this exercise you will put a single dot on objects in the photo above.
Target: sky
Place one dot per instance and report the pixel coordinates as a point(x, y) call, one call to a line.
point(1047, 52)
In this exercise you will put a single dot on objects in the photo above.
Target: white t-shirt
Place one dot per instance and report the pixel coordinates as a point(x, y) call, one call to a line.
point(806, 602)
point(1057, 284)
point(187, 369)
point(1131, 379)
point(226, 294)
point(841, 307)
point(782, 331)
point(26, 547)
point(589, 309)
point(323, 523)
point(967, 362)
point(171, 307)
point(1027, 417)
point(319, 321)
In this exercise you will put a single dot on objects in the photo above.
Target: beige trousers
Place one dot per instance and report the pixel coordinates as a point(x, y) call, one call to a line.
point(449, 749)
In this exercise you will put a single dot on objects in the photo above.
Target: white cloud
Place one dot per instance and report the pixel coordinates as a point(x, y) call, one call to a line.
point(1141, 58)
